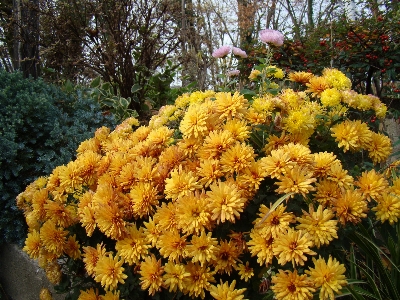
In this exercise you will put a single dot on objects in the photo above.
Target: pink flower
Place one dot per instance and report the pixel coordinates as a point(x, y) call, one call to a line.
point(271, 36)
point(239, 52)
point(232, 73)
point(221, 52)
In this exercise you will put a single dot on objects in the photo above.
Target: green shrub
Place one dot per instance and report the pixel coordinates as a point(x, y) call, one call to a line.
point(40, 128)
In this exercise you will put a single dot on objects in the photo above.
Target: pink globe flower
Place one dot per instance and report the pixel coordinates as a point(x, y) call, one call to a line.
point(232, 73)
point(221, 52)
point(271, 36)
point(239, 52)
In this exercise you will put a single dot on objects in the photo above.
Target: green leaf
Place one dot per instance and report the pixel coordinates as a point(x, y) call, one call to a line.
point(135, 88)
point(95, 83)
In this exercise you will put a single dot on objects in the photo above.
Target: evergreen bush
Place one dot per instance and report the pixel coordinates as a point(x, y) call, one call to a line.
point(40, 128)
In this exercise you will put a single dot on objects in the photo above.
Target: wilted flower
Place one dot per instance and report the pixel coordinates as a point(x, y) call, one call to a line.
point(232, 73)
point(239, 52)
point(221, 52)
point(271, 36)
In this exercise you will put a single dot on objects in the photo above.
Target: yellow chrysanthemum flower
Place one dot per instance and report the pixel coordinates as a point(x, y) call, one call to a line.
point(91, 257)
point(336, 79)
point(236, 158)
point(109, 271)
point(319, 224)
point(317, 85)
point(261, 246)
point(32, 244)
point(192, 213)
point(53, 238)
point(224, 291)
point(329, 276)
point(275, 222)
point(110, 295)
point(323, 162)
point(226, 257)
point(200, 279)
point(254, 74)
point(151, 273)
point(174, 276)
point(215, 144)
point(288, 285)
point(274, 165)
point(89, 294)
point(352, 135)
point(273, 71)
point(172, 245)
point(194, 123)
point(181, 183)
point(330, 97)
point(300, 77)
point(225, 202)
point(388, 208)
point(293, 246)
point(245, 271)
point(372, 185)
point(230, 106)
point(350, 207)
point(133, 247)
point(340, 176)
point(326, 192)
point(45, 294)
point(53, 272)
point(296, 180)
point(72, 247)
point(379, 148)
point(202, 248)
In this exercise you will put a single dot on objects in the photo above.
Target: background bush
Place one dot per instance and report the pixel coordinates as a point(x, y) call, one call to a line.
point(40, 128)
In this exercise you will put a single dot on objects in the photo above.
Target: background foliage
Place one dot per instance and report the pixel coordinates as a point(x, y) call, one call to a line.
point(40, 128)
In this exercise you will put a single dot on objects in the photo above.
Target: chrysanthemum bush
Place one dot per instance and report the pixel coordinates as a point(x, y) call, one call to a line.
point(219, 196)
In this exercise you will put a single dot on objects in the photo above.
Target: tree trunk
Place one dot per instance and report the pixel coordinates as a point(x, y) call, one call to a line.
point(29, 50)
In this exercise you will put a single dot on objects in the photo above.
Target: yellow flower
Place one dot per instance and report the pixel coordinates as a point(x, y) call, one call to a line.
point(274, 165)
point(181, 183)
point(251, 177)
point(274, 142)
point(319, 224)
point(245, 271)
point(72, 247)
point(297, 121)
point(194, 123)
point(53, 238)
point(224, 291)
point(109, 271)
point(336, 79)
point(53, 272)
point(379, 148)
point(230, 106)
point(329, 276)
point(209, 171)
point(293, 246)
point(174, 276)
point(323, 162)
point(200, 279)
point(288, 285)
point(62, 214)
point(276, 222)
point(350, 207)
point(133, 247)
point(388, 208)
point(254, 74)
point(372, 185)
point(296, 180)
point(70, 176)
point(45, 294)
point(317, 85)
point(261, 246)
point(193, 214)
point(239, 129)
point(273, 71)
point(338, 175)
point(32, 244)
point(91, 257)
point(110, 220)
point(172, 245)
point(237, 158)
point(151, 272)
point(110, 295)
point(352, 135)
point(89, 294)
point(166, 217)
point(300, 77)
point(144, 197)
point(331, 97)
point(215, 144)
point(327, 191)
point(226, 257)
point(152, 232)
point(225, 202)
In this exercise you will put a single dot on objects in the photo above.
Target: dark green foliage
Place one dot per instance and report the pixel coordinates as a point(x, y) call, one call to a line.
point(40, 128)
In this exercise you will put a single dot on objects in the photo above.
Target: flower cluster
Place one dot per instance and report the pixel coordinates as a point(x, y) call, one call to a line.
point(162, 202)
